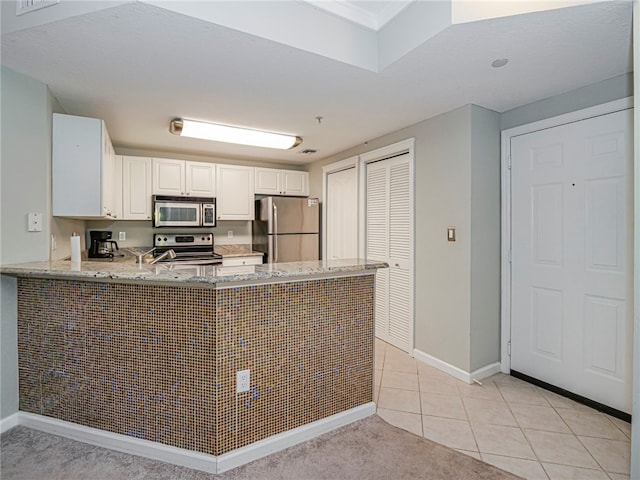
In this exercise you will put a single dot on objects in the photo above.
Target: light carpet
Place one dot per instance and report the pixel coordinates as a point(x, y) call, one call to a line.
point(366, 449)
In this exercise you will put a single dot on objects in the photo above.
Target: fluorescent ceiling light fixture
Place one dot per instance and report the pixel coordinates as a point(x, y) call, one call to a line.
point(225, 133)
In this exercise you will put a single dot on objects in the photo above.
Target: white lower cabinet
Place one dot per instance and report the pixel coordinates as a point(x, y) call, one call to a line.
point(234, 187)
point(136, 188)
point(238, 261)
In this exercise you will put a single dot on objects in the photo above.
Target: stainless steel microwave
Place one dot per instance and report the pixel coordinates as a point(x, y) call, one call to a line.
point(170, 211)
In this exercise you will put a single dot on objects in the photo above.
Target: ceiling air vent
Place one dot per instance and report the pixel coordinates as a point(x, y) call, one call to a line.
point(26, 6)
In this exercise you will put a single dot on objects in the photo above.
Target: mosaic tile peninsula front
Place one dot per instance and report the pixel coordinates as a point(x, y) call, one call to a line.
point(159, 363)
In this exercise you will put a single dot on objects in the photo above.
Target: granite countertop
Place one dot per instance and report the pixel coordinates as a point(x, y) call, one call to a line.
point(128, 272)
point(236, 250)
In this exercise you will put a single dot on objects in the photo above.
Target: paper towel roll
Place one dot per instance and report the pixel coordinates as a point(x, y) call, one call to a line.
point(75, 249)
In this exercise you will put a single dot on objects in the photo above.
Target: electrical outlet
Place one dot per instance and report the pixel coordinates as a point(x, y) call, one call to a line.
point(229, 233)
point(242, 381)
point(122, 236)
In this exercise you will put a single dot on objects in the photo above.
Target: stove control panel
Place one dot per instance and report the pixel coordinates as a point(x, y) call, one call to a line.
point(183, 240)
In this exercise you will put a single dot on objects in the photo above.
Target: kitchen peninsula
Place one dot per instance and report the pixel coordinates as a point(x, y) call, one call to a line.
point(151, 352)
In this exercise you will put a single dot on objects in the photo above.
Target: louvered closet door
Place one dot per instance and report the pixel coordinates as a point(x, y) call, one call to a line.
point(377, 239)
point(389, 239)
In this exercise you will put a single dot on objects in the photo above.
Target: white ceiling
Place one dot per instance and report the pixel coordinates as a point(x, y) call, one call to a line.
point(137, 65)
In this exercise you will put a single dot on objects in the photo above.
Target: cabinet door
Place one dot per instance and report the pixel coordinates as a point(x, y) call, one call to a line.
point(117, 201)
point(234, 187)
point(136, 188)
point(200, 179)
point(268, 181)
point(295, 183)
point(82, 167)
point(168, 176)
point(108, 175)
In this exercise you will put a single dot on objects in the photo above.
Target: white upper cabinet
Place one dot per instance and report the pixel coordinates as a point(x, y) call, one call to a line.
point(83, 168)
point(271, 181)
point(200, 179)
point(234, 186)
point(295, 183)
point(180, 177)
point(268, 181)
point(136, 188)
point(168, 176)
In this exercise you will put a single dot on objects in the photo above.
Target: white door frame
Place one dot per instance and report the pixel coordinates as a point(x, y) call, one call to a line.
point(326, 171)
point(395, 149)
point(505, 172)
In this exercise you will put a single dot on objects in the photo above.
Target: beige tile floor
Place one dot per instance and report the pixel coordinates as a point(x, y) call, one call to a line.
point(506, 422)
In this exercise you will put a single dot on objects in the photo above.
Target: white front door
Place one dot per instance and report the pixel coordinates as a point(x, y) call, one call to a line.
point(572, 257)
point(342, 214)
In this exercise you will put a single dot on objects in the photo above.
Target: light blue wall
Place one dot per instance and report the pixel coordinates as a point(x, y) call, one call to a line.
point(26, 146)
point(24, 170)
point(8, 348)
point(485, 238)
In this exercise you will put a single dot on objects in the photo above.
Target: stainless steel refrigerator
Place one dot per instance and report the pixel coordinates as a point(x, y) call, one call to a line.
point(287, 229)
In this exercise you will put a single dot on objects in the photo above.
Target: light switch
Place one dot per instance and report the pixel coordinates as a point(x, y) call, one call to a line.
point(34, 222)
point(451, 234)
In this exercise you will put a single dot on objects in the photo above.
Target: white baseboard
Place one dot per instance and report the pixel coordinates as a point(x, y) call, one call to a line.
point(290, 438)
point(467, 377)
point(9, 422)
point(181, 456)
point(120, 443)
point(486, 371)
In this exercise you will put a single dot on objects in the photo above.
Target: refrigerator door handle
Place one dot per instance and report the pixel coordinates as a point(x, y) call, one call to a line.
point(275, 234)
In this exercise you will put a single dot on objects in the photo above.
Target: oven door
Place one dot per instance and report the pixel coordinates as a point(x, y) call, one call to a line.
point(177, 214)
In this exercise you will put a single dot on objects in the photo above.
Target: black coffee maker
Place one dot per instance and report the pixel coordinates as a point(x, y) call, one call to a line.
point(101, 244)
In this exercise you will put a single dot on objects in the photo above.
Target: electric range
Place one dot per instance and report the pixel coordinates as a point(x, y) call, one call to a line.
point(190, 249)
